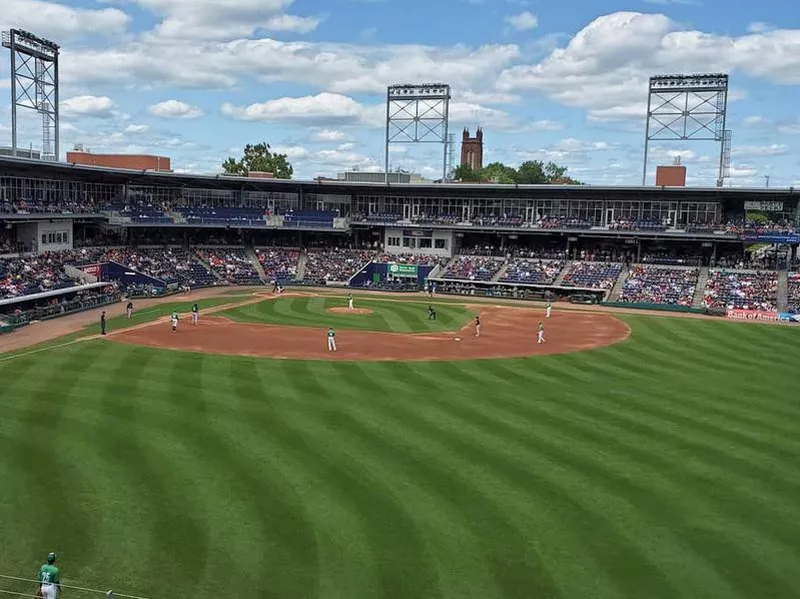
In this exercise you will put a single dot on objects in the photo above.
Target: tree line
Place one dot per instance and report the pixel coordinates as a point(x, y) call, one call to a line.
point(260, 158)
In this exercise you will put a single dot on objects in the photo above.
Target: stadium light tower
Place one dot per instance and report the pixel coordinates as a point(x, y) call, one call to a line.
point(418, 114)
point(687, 108)
point(34, 85)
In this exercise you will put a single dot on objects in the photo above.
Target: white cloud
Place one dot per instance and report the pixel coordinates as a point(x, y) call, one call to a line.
point(524, 21)
point(790, 128)
point(543, 125)
point(325, 107)
point(338, 68)
point(605, 68)
point(137, 129)
point(212, 19)
point(88, 106)
point(328, 135)
point(330, 109)
point(60, 22)
point(175, 109)
point(754, 120)
point(770, 150)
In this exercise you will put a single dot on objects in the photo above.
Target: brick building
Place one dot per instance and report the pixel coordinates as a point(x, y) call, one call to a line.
point(134, 162)
point(472, 149)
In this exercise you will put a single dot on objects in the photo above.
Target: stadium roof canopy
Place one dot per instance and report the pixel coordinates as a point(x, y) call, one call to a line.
point(21, 167)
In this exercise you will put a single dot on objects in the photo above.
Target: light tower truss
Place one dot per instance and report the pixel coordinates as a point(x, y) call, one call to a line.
point(418, 114)
point(687, 108)
point(34, 85)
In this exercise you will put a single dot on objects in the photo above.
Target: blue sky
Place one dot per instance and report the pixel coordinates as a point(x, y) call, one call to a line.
point(197, 79)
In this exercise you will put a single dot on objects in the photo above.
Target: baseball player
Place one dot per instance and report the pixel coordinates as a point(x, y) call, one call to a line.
point(477, 326)
point(103, 323)
point(49, 578)
point(331, 340)
point(349, 301)
point(174, 320)
point(129, 310)
point(431, 313)
point(195, 313)
point(540, 336)
point(548, 310)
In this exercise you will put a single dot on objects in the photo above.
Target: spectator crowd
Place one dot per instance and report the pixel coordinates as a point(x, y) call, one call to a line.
point(335, 265)
point(532, 271)
point(742, 290)
point(473, 268)
point(660, 285)
point(593, 275)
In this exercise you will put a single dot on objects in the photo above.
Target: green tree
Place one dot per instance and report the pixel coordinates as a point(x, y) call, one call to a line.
point(259, 158)
point(531, 172)
point(466, 173)
point(497, 172)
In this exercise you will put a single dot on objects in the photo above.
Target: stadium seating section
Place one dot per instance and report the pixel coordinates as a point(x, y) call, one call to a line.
point(660, 285)
point(532, 272)
point(473, 268)
point(335, 265)
point(231, 265)
point(744, 290)
point(593, 275)
point(794, 292)
point(34, 274)
point(279, 265)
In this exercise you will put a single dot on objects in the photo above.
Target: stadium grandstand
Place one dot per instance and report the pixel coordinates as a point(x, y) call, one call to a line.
point(151, 233)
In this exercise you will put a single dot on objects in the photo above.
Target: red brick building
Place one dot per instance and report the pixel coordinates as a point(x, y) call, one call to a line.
point(134, 162)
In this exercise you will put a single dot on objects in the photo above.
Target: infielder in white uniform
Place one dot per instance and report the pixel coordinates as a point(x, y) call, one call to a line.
point(195, 313)
point(350, 301)
point(548, 310)
point(540, 336)
point(331, 340)
point(174, 320)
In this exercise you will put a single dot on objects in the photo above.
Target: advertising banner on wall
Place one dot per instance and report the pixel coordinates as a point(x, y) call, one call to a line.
point(737, 314)
point(402, 270)
point(789, 317)
point(771, 238)
point(92, 270)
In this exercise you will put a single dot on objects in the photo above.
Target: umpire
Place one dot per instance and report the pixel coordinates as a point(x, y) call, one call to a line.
point(103, 323)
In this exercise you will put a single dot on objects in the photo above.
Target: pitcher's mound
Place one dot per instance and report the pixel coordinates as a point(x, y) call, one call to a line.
point(349, 311)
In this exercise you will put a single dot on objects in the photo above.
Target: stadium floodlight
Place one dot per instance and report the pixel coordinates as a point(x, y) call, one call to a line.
point(418, 113)
point(34, 85)
point(688, 108)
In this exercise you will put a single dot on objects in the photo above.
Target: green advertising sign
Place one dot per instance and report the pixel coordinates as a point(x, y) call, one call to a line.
point(402, 270)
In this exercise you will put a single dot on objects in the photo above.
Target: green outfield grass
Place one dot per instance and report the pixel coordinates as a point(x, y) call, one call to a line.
point(399, 317)
point(663, 467)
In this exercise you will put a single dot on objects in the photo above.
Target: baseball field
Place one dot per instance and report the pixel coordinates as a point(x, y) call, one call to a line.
point(665, 463)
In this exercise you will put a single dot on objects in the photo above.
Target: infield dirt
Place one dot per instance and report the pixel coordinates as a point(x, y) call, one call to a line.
point(505, 333)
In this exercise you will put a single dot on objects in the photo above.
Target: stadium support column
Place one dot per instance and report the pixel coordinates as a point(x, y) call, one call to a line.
point(34, 85)
point(417, 114)
point(688, 108)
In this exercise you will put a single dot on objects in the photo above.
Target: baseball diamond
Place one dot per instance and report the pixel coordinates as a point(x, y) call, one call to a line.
point(298, 403)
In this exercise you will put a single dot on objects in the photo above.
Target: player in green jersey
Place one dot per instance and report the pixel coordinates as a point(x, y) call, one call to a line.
point(174, 319)
point(331, 339)
point(49, 578)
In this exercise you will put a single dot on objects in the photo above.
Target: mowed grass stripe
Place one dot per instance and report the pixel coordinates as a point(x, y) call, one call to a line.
point(386, 316)
point(609, 475)
point(501, 473)
point(664, 466)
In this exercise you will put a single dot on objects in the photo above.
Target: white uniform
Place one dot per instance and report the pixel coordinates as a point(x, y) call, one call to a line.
point(195, 316)
point(49, 591)
point(331, 341)
point(540, 337)
point(549, 310)
point(130, 312)
point(350, 303)
point(174, 324)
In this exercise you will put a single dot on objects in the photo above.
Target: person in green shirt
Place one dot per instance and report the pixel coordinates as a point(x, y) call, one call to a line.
point(174, 320)
point(49, 578)
point(331, 340)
